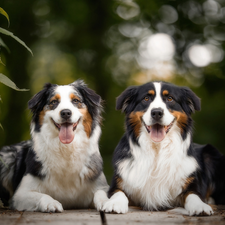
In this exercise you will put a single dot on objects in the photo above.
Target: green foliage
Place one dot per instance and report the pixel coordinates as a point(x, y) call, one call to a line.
point(6, 81)
point(4, 13)
point(6, 32)
point(1, 61)
point(3, 79)
point(2, 43)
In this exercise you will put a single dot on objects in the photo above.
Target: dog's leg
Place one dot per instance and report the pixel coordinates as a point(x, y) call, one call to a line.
point(28, 198)
point(100, 198)
point(117, 203)
point(195, 206)
point(34, 201)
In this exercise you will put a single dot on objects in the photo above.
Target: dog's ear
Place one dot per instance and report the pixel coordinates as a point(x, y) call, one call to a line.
point(126, 97)
point(39, 100)
point(88, 94)
point(190, 102)
point(92, 100)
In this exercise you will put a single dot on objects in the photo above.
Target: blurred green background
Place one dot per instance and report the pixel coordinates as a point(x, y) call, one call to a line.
point(111, 45)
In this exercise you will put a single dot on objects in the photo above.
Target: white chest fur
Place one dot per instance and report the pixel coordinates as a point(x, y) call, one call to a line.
point(66, 166)
point(155, 174)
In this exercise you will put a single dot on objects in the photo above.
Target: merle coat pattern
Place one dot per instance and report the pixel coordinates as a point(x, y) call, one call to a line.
point(60, 167)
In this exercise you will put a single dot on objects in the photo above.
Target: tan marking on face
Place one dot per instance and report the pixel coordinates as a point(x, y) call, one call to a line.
point(151, 92)
point(165, 92)
point(181, 118)
point(42, 115)
point(56, 97)
point(87, 121)
point(135, 121)
point(73, 96)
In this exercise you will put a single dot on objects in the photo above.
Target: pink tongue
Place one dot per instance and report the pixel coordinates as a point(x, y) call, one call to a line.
point(157, 133)
point(66, 134)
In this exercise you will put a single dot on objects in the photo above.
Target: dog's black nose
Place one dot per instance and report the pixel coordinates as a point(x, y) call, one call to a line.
point(157, 113)
point(66, 114)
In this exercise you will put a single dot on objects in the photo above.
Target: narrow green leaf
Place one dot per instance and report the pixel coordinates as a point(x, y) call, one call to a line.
point(1, 126)
point(1, 61)
point(4, 13)
point(5, 80)
point(2, 43)
point(6, 32)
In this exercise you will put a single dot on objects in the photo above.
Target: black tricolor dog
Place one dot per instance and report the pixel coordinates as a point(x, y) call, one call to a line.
point(156, 165)
point(61, 166)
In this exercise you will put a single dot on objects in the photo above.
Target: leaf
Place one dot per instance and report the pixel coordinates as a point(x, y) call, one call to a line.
point(4, 13)
point(2, 43)
point(5, 80)
point(6, 32)
point(1, 61)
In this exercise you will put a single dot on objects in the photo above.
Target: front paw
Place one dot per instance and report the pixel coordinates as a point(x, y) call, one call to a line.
point(118, 203)
point(195, 206)
point(100, 198)
point(48, 204)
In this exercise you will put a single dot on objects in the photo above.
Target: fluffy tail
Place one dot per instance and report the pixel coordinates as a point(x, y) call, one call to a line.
point(7, 166)
point(12, 168)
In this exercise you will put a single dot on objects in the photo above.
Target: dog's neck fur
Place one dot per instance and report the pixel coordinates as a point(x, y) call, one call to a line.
point(155, 169)
point(52, 153)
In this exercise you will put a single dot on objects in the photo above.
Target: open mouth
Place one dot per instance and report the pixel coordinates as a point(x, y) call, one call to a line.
point(158, 131)
point(66, 131)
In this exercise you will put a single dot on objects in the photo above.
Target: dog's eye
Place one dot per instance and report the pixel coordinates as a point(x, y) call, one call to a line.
point(54, 102)
point(75, 101)
point(146, 98)
point(169, 99)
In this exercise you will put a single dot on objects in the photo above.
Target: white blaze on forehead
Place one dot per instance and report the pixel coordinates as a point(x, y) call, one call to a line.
point(65, 102)
point(64, 92)
point(158, 103)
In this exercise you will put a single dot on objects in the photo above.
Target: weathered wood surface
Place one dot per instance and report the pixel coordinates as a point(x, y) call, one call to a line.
point(88, 217)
